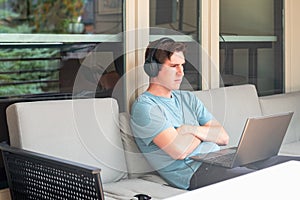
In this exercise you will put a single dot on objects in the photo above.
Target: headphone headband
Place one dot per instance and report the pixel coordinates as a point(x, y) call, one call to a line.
point(151, 66)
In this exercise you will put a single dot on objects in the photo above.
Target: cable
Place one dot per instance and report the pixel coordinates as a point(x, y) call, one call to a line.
point(185, 162)
point(181, 103)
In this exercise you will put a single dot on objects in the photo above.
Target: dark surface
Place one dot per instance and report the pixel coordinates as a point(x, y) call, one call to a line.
point(37, 176)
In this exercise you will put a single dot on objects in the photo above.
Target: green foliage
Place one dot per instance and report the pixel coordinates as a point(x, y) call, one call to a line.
point(9, 25)
point(20, 90)
point(8, 14)
point(51, 16)
point(19, 71)
point(24, 28)
point(42, 16)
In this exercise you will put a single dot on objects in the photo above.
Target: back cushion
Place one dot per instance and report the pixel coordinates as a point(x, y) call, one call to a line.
point(137, 164)
point(231, 106)
point(283, 103)
point(81, 130)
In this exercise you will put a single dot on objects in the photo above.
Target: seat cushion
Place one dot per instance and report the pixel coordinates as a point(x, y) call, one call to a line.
point(82, 130)
point(126, 189)
point(231, 106)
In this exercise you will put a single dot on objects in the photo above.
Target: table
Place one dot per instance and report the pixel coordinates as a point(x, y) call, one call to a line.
point(252, 43)
point(276, 182)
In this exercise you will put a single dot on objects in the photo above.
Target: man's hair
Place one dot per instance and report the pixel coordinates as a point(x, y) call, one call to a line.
point(164, 50)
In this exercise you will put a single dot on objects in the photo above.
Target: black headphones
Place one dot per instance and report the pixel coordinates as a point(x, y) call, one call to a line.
point(151, 65)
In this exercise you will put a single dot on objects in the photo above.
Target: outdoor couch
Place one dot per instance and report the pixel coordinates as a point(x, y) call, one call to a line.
point(93, 132)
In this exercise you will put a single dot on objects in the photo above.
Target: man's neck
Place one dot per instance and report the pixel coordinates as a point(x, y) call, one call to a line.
point(159, 90)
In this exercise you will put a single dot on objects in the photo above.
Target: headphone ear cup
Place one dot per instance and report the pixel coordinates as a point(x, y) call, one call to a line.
point(151, 68)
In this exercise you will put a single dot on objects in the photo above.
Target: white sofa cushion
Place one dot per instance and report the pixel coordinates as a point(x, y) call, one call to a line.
point(81, 130)
point(126, 189)
point(231, 106)
point(284, 103)
point(137, 164)
point(290, 149)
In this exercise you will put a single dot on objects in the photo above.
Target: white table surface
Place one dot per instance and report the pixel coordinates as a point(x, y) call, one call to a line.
point(278, 182)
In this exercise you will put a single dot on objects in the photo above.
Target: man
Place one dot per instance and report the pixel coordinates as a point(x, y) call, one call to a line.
point(170, 125)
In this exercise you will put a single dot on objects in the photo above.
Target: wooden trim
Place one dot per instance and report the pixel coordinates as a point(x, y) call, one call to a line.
point(137, 38)
point(210, 44)
point(288, 44)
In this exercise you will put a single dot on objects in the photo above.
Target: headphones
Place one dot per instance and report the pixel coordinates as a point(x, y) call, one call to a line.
point(151, 65)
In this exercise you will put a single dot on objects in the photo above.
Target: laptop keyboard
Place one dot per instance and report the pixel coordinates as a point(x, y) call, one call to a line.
point(224, 160)
point(223, 157)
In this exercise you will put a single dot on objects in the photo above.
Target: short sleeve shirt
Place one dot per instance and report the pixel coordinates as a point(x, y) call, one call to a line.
point(152, 114)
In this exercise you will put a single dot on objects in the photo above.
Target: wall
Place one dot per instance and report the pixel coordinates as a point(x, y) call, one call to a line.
point(292, 44)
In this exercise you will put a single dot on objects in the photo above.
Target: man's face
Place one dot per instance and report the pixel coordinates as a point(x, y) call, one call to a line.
point(171, 73)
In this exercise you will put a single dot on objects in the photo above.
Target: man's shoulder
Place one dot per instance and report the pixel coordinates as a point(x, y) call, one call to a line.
point(143, 101)
point(145, 98)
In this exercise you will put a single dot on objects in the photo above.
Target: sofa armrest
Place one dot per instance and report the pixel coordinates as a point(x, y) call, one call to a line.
point(82, 130)
point(33, 175)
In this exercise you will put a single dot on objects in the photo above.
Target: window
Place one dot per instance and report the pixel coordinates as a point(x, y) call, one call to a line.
point(251, 44)
point(44, 43)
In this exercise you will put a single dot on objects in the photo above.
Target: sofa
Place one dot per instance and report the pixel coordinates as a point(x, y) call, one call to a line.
point(93, 132)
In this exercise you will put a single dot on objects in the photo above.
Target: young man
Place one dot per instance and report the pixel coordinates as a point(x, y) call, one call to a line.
point(170, 125)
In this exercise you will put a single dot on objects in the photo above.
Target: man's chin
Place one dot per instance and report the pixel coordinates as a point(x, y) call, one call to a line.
point(173, 87)
point(177, 87)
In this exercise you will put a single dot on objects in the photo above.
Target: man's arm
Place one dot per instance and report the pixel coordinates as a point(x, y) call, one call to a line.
point(180, 142)
point(178, 146)
point(212, 131)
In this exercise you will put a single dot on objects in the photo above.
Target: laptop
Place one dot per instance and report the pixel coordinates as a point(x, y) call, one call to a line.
point(261, 139)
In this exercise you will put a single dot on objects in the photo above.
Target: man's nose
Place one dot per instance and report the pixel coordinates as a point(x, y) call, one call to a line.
point(180, 70)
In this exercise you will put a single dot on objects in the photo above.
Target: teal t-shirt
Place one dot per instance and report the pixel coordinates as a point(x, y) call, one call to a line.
point(152, 114)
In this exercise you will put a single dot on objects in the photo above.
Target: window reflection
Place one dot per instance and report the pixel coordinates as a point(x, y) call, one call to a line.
point(43, 60)
point(65, 16)
point(251, 44)
point(177, 15)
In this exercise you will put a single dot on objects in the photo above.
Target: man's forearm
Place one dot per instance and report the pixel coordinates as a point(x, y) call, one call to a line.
point(212, 132)
point(178, 146)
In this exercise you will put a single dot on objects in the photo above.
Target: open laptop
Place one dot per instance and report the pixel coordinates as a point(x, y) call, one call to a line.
point(261, 139)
